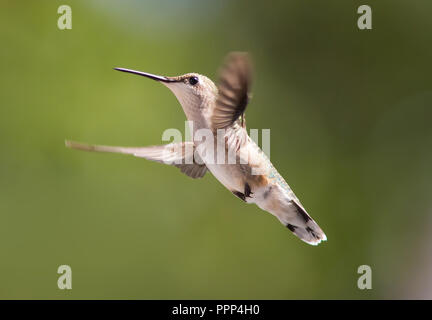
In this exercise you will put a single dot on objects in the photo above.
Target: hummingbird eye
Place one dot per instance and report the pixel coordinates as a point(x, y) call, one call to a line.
point(193, 80)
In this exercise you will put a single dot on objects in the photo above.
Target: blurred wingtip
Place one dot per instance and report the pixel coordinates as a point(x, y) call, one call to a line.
point(79, 146)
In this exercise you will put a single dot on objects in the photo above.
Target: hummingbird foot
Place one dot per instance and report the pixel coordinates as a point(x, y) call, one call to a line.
point(247, 193)
point(239, 195)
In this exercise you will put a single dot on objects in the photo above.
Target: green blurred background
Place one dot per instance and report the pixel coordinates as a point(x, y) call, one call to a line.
point(350, 118)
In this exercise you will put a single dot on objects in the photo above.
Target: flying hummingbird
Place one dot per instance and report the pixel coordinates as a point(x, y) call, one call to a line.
point(251, 177)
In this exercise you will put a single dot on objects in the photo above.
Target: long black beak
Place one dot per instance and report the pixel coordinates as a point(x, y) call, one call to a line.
point(148, 75)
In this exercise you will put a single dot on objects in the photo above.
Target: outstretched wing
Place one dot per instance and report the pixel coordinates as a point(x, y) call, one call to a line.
point(181, 155)
point(234, 91)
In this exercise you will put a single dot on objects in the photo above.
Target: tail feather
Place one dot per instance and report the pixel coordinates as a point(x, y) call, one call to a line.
point(302, 225)
point(311, 233)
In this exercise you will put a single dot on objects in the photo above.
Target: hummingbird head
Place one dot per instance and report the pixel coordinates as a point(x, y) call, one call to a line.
point(193, 91)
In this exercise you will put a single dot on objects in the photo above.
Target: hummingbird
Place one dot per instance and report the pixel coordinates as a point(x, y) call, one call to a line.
point(251, 177)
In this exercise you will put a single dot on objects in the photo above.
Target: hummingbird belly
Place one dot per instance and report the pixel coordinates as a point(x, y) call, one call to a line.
point(230, 175)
